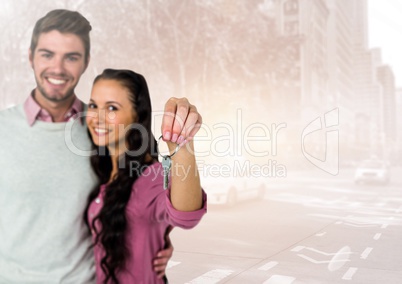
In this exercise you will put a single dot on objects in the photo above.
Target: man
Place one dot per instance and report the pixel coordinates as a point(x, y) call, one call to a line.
point(43, 185)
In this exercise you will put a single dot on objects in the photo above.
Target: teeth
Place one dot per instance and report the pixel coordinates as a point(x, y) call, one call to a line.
point(56, 81)
point(101, 131)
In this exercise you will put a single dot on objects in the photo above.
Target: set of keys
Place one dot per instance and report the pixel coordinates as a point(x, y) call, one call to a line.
point(166, 164)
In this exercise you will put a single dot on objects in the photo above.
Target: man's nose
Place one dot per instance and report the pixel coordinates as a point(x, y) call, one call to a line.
point(58, 65)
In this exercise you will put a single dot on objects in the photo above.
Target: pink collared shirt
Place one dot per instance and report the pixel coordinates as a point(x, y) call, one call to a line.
point(35, 112)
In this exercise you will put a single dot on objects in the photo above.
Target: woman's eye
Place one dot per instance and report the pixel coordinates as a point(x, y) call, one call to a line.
point(111, 108)
point(91, 105)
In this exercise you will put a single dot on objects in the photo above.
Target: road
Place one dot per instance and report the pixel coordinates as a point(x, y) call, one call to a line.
point(310, 228)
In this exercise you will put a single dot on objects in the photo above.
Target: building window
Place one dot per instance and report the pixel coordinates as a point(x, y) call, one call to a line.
point(291, 7)
point(292, 28)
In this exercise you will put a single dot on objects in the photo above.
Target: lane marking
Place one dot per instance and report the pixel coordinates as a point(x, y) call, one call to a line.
point(298, 248)
point(377, 236)
point(211, 277)
point(366, 252)
point(344, 250)
point(384, 226)
point(349, 274)
point(335, 260)
point(268, 266)
point(321, 234)
point(355, 223)
point(322, 261)
point(172, 263)
point(359, 222)
point(280, 279)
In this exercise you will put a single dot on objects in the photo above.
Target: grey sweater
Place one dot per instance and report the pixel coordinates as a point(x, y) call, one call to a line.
point(45, 180)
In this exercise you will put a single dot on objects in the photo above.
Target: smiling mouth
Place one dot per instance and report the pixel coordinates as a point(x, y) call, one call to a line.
point(101, 131)
point(55, 81)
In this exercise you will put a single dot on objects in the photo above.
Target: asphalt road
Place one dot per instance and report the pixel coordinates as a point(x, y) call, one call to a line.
point(310, 228)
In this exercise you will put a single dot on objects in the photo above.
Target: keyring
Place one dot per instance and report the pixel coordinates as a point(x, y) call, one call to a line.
point(166, 156)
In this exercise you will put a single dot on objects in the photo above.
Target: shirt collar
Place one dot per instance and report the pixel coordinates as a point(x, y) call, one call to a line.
point(35, 112)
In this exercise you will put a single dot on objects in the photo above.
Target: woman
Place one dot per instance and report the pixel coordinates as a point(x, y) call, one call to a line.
point(129, 212)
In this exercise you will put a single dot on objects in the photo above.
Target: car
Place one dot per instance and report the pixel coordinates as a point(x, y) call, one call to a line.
point(231, 191)
point(372, 171)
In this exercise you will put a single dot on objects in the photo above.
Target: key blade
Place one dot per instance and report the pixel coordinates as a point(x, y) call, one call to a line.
point(166, 164)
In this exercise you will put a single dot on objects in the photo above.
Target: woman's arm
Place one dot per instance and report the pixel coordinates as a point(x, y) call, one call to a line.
point(185, 192)
point(181, 121)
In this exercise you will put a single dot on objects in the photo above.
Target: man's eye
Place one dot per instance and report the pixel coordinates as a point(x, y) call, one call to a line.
point(72, 58)
point(46, 55)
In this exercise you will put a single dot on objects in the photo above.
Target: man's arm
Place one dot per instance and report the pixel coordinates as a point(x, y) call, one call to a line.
point(163, 256)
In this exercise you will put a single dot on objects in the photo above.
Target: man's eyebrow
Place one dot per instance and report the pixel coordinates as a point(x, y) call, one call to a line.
point(45, 50)
point(74, 53)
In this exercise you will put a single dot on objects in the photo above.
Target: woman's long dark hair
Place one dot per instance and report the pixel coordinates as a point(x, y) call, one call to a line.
point(112, 217)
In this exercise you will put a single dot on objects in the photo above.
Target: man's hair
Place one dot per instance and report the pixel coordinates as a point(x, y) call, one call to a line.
point(64, 21)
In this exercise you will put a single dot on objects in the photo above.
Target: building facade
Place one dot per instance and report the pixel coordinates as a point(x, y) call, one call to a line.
point(336, 69)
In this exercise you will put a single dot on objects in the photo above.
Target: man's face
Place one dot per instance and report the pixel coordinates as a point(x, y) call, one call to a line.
point(58, 63)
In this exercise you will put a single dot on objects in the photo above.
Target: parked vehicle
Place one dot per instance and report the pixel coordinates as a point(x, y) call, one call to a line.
point(230, 191)
point(373, 171)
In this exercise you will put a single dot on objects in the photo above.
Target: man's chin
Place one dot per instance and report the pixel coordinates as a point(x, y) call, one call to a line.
point(58, 97)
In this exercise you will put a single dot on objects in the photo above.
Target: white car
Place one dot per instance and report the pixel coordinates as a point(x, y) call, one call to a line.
point(230, 191)
point(372, 171)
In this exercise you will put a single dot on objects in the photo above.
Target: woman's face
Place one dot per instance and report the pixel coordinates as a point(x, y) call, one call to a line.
point(110, 114)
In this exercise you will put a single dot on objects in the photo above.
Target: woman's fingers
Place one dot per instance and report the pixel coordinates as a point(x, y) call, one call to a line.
point(181, 120)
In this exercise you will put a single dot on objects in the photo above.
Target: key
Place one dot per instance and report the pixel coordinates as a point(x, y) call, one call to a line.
point(166, 164)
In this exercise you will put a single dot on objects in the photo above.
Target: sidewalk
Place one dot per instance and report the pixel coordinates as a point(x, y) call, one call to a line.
point(344, 175)
point(312, 175)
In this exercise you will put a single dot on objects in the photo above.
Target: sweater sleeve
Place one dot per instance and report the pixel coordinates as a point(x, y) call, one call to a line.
point(150, 201)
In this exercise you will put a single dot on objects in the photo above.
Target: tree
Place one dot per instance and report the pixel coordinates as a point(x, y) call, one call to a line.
point(213, 51)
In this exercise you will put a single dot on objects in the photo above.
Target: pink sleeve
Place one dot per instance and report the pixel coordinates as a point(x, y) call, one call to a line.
point(185, 220)
point(150, 201)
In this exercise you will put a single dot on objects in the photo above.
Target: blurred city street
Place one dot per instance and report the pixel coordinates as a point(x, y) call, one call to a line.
point(311, 227)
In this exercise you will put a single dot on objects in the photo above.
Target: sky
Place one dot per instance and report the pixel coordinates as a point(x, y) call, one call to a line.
point(385, 31)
